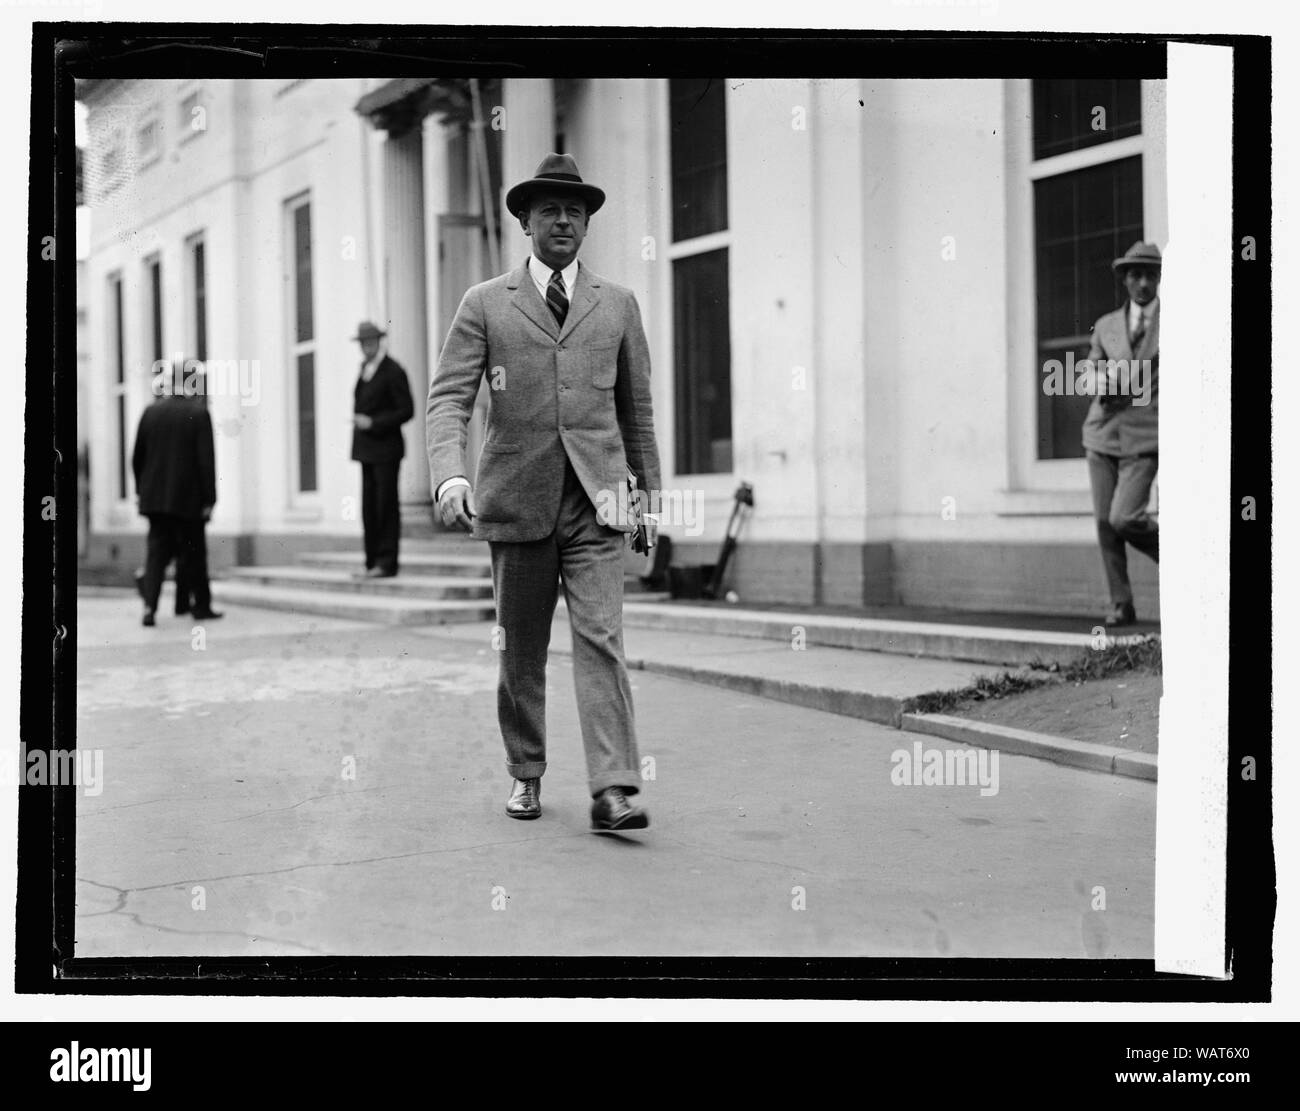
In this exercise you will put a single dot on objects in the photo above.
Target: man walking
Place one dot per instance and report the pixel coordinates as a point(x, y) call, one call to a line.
point(174, 462)
point(381, 405)
point(569, 415)
point(1120, 432)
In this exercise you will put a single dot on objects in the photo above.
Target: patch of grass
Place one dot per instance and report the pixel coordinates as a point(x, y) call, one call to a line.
point(1137, 653)
point(982, 687)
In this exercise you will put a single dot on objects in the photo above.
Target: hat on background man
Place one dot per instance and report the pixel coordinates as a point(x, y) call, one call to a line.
point(368, 330)
point(557, 173)
point(1140, 254)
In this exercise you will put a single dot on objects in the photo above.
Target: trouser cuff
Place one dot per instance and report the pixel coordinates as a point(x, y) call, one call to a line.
point(534, 770)
point(630, 781)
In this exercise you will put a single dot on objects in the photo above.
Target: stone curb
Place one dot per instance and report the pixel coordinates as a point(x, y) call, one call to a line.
point(1042, 746)
point(877, 708)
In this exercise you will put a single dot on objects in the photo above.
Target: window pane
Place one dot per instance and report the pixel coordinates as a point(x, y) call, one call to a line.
point(121, 446)
point(155, 308)
point(302, 271)
point(306, 422)
point(200, 303)
point(698, 119)
point(702, 363)
point(119, 353)
point(1070, 114)
point(1101, 207)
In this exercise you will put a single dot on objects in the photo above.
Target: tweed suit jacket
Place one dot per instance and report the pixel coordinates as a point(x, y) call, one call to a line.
point(1114, 425)
point(581, 391)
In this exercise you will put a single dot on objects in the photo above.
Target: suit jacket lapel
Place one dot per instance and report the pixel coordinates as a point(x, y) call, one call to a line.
point(1117, 345)
point(585, 298)
point(1151, 340)
point(529, 302)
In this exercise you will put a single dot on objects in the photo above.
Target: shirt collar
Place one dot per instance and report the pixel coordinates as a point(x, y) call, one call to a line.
point(1146, 312)
point(542, 273)
point(369, 367)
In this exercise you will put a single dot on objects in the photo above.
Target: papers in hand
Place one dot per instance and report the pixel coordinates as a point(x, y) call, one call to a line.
point(638, 537)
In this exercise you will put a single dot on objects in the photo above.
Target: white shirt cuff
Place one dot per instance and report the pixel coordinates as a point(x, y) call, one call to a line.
point(448, 484)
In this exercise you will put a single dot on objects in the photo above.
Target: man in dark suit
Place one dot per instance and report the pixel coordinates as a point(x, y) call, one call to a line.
point(569, 415)
point(382, 404)
point(174, 462)
point(1121, 430)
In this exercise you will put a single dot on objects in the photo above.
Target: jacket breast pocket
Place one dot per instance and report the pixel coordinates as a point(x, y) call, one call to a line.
point(493, 447)
point(603, 362)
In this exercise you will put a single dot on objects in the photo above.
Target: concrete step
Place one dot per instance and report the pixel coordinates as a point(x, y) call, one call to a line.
point(416, 562)
point(1007, 647)
point(449, 587)
point(374, 608)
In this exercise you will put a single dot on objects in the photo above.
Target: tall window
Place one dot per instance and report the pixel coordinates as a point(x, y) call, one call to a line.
point(701, 284)
point(1087, 175)
point(117, 380)
point(196, 261)
point(302, 346)
point(154, 307)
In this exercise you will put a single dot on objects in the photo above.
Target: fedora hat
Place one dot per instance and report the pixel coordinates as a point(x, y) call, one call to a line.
point(368, 330)
point(558, 173)
point(1140, 254)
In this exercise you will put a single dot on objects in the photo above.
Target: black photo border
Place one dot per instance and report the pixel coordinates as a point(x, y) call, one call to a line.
point(62, 52)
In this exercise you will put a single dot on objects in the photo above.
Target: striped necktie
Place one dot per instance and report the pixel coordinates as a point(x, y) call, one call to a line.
point(556, 299)
point(1139, 332)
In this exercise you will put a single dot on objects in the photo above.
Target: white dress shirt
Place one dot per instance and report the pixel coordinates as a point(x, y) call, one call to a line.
point(368, 368)
point(541, 274)
point(1141, 313)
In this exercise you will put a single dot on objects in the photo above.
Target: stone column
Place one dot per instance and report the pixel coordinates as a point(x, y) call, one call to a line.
point(529, 136)
point(406, 303)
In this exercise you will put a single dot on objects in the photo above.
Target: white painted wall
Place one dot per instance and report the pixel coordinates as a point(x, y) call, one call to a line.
point(263, 143)
point(836, 232)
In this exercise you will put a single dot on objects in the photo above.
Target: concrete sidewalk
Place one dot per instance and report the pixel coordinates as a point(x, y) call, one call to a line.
point(310, 786)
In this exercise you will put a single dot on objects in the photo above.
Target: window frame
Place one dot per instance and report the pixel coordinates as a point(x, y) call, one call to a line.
point(194, 328)
point(306, 502)
point(118, 388)
point(146, 159)
point(712, 483)
point(186, 130)
point(1056, 486)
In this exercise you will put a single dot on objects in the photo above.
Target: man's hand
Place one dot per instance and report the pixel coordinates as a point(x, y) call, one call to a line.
point(207, 513)
point(362, 421)
point(456, 508)
point(651, 529)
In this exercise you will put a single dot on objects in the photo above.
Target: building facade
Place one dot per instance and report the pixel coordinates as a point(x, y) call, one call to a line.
point(849, 288)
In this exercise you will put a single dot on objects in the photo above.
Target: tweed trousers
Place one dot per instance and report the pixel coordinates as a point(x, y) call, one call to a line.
point(1121, 488)
point(586, 558)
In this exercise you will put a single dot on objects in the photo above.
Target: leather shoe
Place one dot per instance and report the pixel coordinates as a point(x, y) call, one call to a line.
point(148, 620)
point(379, 573)
point(525, 799)
point(611, 811)
point(1122, 614)
point(208, 615)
